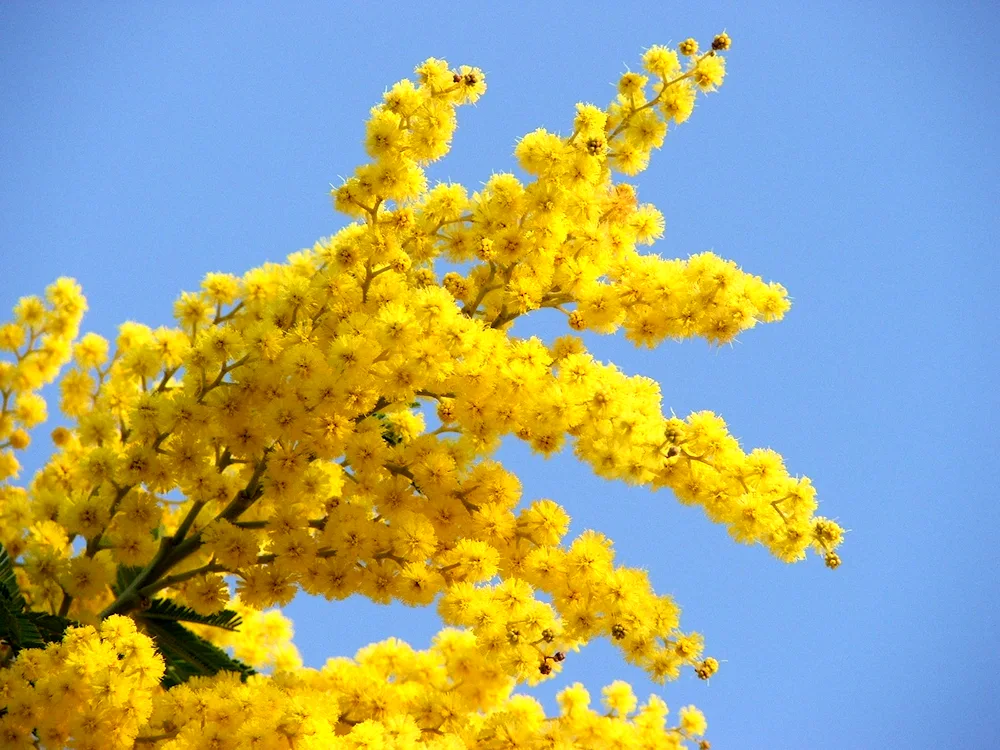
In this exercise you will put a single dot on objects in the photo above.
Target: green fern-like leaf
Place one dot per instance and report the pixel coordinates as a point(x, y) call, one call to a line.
point(10, 623)
point(124, 576)
point(20, 627)
point(50, 628)
point(165, 609)
point(188, 655)
point(8, 581)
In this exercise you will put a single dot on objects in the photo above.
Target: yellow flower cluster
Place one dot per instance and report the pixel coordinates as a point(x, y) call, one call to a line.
point(39, 339)
point(100, 691)
point(326, 425)
point(97, 687)
point(413, 126)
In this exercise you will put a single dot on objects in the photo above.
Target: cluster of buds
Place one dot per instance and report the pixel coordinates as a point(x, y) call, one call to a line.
point(545, 667)
point(707, 668)
point(720, 43)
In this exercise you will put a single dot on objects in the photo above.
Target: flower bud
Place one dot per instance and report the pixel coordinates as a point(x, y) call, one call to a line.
point(722, 42)
point(688, 47)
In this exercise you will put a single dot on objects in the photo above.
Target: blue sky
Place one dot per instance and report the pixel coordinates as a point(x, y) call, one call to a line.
point(851, 155)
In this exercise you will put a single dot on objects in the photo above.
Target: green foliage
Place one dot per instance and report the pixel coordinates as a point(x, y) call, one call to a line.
point(8, 581)
point(188, 655)
point(124, 576)
point(20, 627)
point(389, 434)
point(165, 609)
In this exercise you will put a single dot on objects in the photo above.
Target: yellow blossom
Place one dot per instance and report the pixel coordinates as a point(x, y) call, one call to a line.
point(327, 424)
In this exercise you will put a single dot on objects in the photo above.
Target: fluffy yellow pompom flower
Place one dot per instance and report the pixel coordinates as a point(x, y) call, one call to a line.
point(709, 72)
point(619, 698)
point(692, 721)
point(661, 62)
point(91, 351)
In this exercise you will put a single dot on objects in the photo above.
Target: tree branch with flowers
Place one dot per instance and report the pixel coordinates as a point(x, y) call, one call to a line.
point(328, 425)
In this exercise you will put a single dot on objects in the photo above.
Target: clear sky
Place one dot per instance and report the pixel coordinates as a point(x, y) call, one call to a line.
point(850, 155)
